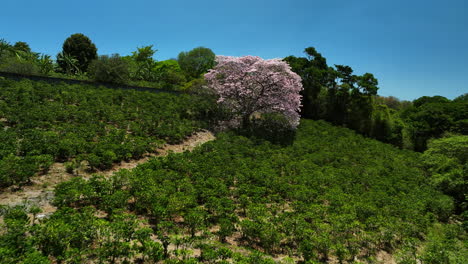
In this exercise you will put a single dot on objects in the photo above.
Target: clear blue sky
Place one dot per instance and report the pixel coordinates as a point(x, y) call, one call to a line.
point(414, 47)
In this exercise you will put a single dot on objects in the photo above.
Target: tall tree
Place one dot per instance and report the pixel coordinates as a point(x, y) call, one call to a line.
point(143, 57)
point(431, 117)
point(361, 103)
point(111, 69)
point(197, 61)
point(4, 46)
point(79, 47)
point(338, 96)
point(22, 46)
point(249, 85)
point(316, 75)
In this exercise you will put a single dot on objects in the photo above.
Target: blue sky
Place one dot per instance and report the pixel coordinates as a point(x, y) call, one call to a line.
point(414, 47)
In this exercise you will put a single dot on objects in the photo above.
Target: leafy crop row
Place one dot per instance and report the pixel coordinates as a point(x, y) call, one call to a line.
point(331, 194)
point(42, 123)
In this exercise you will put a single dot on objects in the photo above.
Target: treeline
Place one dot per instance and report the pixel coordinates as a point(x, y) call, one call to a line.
point(79, 60)
point(337, 95)
point(333, 94)
point(86, 127)
point(236, 200)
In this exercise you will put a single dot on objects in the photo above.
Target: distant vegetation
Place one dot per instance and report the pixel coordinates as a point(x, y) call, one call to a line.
point(433, 117)
point(79, 60)
point(333, 94)
point(196, 62)
point(337, 95)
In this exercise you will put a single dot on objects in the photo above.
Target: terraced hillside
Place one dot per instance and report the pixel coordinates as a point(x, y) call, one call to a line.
point(88, 127)
point(332, 196)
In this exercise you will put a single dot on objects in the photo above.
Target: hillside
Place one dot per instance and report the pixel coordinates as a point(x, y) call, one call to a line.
point(332, 196)
point(90, 128)
point(190, 133)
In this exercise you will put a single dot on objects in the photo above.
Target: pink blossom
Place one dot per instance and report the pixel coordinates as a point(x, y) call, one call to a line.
point(249, 84)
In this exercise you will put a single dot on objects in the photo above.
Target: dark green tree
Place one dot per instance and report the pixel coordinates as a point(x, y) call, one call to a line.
point(169, 74)
point(316, 76)
point(4, 46)
point(143, 63)
point(339, 95)
point(22, 46)
point(197, 61)
point(79, 47)
point(431, 117)
point(461, 98)
point(429, 99)
point(446, 161)
point(111, 69)
point(361, 103)
point(195, 220)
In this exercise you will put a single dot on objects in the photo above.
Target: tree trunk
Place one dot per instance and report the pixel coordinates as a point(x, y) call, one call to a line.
point(245, 122)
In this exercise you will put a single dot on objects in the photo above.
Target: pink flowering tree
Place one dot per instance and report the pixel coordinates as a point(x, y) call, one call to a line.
point(249, 85)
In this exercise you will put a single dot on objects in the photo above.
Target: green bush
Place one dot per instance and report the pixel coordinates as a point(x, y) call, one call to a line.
point(272, 127)
point(110, 69)
point(196, 61)
point(16, 170)
point(16, 65)
point(169, 74)
point(45, 64)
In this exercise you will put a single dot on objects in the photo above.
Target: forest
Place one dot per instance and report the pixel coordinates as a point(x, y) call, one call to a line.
point(309, 164)
point(331, 93)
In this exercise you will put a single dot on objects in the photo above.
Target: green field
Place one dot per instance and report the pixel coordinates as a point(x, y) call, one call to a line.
point(42, 123)
point(332, 195)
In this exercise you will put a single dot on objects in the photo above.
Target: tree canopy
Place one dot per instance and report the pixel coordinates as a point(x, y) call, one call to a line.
point(197, 61)
point(248, 85)
point(80, 48)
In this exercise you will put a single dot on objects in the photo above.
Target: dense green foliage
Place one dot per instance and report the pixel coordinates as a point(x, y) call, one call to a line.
point(446, 162)
point(197, 61)
point(142, 63)
point(431, 117)
point(22, 46)
point(169, 74)
point(41, 123)
point(80, 48)
point(145, 70)
point(79, 61)
point(335, 94)
point(18, 58)
point(345, 99)
point(109, 69)
point(313, 200)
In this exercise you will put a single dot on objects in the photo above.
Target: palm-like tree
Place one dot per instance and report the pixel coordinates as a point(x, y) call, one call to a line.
point(4, 46)
point(45, 64)
point(70, 62)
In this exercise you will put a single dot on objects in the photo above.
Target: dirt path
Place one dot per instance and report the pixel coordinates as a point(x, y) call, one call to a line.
point(41, 191)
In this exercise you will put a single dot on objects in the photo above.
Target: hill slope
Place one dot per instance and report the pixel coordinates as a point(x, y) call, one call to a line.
point(332, 196)
point(42, 123)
